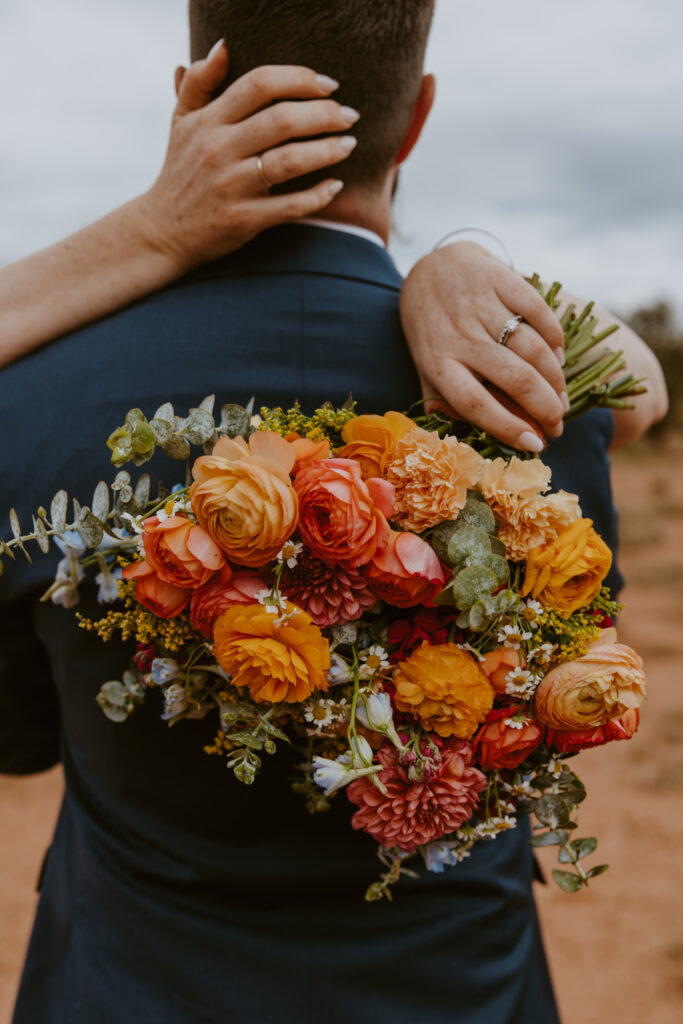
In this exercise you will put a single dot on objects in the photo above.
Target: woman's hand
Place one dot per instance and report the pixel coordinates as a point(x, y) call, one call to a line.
point(454, 305)
point(210, 197)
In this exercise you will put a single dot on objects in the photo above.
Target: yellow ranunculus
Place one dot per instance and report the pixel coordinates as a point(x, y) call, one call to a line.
point(371, 439)
point(568, 574)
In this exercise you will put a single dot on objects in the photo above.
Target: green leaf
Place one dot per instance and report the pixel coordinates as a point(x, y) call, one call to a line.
point(576, 850)
point(567, 880)
point(235, 420)
point(14, 524)
point(598, 870)
point(41, 535)
point(121, 446)
point(162, 429)
point(142, 489)
point(100, 501)
point(198, 426)
point(469, 546)
point(208, 404)
point(551, 810)
point(59, 507)
point(177, 447)
point(551, 838)
point(472, 584)
point(477, 513)
point(89, 528)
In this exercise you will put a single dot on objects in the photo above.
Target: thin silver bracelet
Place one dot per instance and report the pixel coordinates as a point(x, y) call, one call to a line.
point(480, 231)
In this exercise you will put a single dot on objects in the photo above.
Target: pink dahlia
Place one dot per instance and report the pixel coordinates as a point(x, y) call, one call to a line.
point(414, 813)
point(329, 593)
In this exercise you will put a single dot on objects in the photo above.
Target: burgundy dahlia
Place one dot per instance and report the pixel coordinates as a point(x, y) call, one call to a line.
point(329, 593)
point(417, 812)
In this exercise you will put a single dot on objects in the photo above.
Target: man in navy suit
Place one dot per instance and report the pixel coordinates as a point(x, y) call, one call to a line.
point(171, 893)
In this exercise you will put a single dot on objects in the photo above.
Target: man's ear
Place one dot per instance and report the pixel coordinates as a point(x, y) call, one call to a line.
point(423, 105)
point(179, 75)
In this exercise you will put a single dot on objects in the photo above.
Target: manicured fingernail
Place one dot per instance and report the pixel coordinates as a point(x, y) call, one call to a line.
point(326, 83)
point(349, 115)
point(347, 143)
point(557, 430)
point(530, 442)
point(215, 48)
point(560, 356)
point(334, 187)
point(564, 398)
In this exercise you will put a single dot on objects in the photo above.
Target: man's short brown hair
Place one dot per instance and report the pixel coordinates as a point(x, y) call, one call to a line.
point(374, 48)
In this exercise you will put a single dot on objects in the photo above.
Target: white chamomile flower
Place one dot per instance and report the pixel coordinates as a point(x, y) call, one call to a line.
point(512, 636)
point(490, 828)
point(519, 789)
point(372, 660)
point(319, 713)
point(531, 611)
point(520, 683)
point(543, 654)
point(289, 553)
point(134, 525)
point(269, 601)
point(517, 722)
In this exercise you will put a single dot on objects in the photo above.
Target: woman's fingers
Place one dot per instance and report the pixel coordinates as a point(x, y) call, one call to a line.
point(526, 342)
point(519, 295)
point(267, 212)
point(297, 158)
point(291, 120)
point(197, 85)
point(523, 383)
point(258, 88)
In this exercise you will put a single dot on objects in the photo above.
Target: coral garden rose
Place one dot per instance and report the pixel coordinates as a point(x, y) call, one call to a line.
point(161, 598)
point(568, 573)
point(445, 688)
point(276, 661)
point(243, 496)
point(180, 552)
point(431, 476)
point(371, 440)
point(329, 593)
point(406, 571)
point(225, 590)
point(586, 693)
point(498, 664)
point(499, 746)
point(569, 741)
point(415, 812)
point(343, 518)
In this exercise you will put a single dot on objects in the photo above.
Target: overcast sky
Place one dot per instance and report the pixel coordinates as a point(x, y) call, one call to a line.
point(558, 126)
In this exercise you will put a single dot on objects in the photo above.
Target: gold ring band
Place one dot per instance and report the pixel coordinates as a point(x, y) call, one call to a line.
point(262, 173)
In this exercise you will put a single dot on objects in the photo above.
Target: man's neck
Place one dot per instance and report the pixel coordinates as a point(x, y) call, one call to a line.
point(363, 208)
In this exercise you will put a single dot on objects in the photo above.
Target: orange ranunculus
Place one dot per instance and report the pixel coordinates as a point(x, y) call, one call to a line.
point(180, 552)
point(431, 475)
point(276, 661)
point(156, 595)
point(444, 687)
point(498, 664)
point(406, 571)
point(623, 728)
point(500, 746)
point(243, 496)
point(568, 574)
point(590, 691)
point(225, 590)
point(370, 440)
point(342, 517)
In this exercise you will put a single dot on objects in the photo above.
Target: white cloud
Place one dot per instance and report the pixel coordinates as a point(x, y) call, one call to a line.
point(557, 127)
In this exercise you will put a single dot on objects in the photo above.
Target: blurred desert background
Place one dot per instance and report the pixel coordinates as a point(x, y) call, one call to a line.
point(616, 950)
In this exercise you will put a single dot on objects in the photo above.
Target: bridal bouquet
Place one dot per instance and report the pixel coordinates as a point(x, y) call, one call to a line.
point(411, 609)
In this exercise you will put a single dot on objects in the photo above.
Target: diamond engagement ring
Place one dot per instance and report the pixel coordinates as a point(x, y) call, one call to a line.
point(510, 327)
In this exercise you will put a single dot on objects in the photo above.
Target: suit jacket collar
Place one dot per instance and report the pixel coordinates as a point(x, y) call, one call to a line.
point(308, 249)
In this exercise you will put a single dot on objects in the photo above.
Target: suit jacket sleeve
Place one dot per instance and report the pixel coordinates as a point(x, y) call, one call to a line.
point(29, 708)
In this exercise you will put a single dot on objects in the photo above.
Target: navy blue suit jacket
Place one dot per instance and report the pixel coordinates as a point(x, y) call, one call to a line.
point(172, 893)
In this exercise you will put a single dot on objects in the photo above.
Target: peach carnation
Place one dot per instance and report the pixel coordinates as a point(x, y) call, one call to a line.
point(276, 661)
point(431, 476)
point(180, 552)
point(528, 519)
point(415, 812)
point(243, 496)
point(445, 688)
point(590, 691)
point(329, 593)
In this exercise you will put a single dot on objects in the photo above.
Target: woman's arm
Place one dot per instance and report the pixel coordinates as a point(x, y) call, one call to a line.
point(208, 200)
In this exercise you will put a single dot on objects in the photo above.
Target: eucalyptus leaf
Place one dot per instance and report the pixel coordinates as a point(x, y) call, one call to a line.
point(468, 546)
point(208, 404)
point(100, 501)
point(177, 447)
point(550, 809)
point(162, 429)
point(14, 524)
point(472, 584)
point(598, 870)
point(142, 490)
point(120, 443)
point(567, 881)
point(198, 427)
point(42, 538)
point(477, 513)
point(59, 507)
point(577, 849)
point(89, 528)
point(165, 412)
point(115, 692)
point(554, 837)
point(235, 420)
